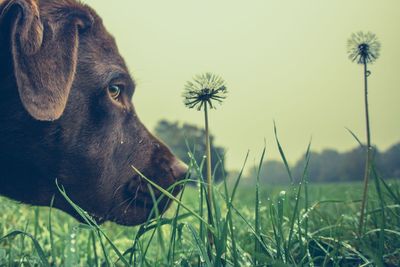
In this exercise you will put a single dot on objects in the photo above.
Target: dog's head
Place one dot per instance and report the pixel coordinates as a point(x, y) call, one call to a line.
point(66, 113)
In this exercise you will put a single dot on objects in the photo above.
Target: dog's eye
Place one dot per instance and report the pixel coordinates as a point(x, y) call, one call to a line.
point(114, 91)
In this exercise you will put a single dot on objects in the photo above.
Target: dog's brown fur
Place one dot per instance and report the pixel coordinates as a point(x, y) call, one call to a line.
point(58, 120)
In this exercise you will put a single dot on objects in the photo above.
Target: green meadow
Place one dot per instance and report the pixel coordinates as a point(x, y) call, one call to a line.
point(296, 225)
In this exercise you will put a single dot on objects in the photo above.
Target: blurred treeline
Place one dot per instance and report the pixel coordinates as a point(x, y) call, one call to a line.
point(326, 166)
point(333, 166)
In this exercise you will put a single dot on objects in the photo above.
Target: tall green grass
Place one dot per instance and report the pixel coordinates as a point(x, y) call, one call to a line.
point(296, 225)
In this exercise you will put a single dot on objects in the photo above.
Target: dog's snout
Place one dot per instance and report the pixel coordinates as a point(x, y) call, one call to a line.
point(179, 169)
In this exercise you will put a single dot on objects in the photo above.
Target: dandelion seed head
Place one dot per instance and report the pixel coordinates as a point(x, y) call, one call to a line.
point(205, 89)
point(363, 47)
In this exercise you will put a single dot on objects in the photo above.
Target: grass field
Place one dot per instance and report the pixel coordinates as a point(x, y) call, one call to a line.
point(298, 225)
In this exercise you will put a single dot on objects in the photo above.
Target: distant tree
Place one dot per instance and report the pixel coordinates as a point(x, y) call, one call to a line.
point(329, 164)
point(178, 136)
point(389, 164)
point(273, 172)
point(322, 167)
point(352, 165)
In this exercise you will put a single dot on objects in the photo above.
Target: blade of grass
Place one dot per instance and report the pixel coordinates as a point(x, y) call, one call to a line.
point(281, 152)
point(224, 230)
point(172, 245)
point(229, 213)
point(201, 249)
point(93, 240)
point(280, 222)
point(36, 245)
point(36, 224)
point(277, 237)
point(382, 217)
point(257, 222)
point(158, 228)
point(355, 137)
point(297, 199)
point(52, 247)
point(103, 248)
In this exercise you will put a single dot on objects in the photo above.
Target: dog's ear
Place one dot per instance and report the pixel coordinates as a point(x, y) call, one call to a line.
point(44, 53)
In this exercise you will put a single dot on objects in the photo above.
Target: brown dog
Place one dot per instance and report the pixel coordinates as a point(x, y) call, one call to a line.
point(66, 114)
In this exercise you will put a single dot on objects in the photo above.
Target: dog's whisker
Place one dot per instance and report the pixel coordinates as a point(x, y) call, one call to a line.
point(130, 202)
point(116, 190)
point(118, 206)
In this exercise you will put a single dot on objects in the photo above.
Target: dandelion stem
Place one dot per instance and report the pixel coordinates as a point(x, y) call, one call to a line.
point(369, 150)
point(208, 152)
point(366, 73)
point(209, 175)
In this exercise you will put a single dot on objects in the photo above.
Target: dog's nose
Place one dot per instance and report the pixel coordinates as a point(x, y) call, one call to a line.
point(179, 169)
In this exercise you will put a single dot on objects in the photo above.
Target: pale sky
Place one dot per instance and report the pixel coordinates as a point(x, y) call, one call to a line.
point(282, 60)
